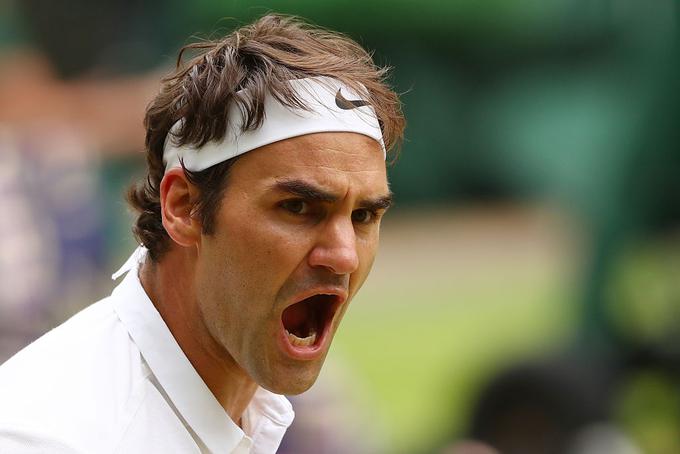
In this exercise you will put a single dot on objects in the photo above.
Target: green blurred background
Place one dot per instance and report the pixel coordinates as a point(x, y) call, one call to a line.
point(535, 237)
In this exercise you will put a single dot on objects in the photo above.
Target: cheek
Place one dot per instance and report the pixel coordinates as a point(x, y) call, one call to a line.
point(261, 251)
point(366, 249)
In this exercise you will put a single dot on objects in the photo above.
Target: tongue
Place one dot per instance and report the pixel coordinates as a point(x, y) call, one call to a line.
point(296, 317)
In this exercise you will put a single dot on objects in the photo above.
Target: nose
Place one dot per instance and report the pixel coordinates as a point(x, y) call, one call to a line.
point(336, 247)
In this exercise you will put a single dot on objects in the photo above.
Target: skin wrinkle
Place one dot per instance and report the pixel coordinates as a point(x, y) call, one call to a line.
point(330, 169)
point(261, 64)
point(191, 336)
point(235, 254)
point(233, 285)
point(311, 192)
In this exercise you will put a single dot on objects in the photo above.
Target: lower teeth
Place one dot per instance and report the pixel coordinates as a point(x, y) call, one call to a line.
point(301, 341)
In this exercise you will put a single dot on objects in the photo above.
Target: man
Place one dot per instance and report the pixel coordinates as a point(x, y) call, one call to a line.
point(259, 218)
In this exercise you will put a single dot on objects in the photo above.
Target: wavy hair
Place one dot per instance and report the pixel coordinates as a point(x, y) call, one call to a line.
point(261, 58)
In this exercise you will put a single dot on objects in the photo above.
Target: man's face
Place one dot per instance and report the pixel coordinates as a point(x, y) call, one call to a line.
point(294, 240)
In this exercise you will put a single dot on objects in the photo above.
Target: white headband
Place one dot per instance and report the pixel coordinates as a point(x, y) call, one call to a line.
point(333, 107)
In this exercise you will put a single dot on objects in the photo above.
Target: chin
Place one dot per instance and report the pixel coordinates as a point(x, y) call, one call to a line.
point(298, 388)
point(292, 383)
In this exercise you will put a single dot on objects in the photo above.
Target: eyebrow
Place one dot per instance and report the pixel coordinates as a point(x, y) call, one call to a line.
point(311, 192)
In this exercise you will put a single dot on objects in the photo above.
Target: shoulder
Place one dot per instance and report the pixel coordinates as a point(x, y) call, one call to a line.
point(70, 353)
point(82, 381)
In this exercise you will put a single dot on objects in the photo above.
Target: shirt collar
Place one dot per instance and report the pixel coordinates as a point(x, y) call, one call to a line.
point(268, 414)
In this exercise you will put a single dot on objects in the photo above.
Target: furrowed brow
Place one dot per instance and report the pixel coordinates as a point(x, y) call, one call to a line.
point(305, 190)
point(381, 203)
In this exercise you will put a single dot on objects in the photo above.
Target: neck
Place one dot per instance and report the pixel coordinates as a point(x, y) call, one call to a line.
point(169, 285)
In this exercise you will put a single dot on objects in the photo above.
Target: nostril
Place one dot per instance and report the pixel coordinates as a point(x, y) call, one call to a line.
point(338, 261)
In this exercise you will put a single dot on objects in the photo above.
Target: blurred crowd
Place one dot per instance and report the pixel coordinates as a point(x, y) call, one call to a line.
point(572, 104)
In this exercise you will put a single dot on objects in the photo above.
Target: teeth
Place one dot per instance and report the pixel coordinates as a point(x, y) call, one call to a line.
point(301, 342)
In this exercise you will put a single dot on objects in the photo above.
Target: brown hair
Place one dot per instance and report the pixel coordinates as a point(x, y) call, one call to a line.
point(261, 58)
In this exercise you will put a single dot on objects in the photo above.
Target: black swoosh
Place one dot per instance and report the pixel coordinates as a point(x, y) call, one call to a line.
point(348, 104)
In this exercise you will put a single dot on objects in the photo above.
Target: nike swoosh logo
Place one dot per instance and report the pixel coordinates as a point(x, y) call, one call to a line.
point(348, 104)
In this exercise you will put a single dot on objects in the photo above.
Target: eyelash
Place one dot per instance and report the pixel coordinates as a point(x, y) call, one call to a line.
point(373, 214)
point(286, 206)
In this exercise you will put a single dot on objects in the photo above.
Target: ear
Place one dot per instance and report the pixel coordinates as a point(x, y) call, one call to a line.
point(178, 197)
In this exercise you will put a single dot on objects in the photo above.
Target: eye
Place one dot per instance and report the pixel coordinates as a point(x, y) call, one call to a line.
point(295, 206)
point(363, 216)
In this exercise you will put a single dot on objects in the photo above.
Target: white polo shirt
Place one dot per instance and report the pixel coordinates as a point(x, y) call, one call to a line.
point(112, 379)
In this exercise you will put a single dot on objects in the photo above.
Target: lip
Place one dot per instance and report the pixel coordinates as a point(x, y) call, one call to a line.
point(339, 292)
point(323, 340)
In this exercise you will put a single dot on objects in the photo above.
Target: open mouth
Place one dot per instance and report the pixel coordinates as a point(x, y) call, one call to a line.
point(306, 321)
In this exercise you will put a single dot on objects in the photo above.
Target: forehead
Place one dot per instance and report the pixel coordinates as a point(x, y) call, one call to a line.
point(341, 161)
